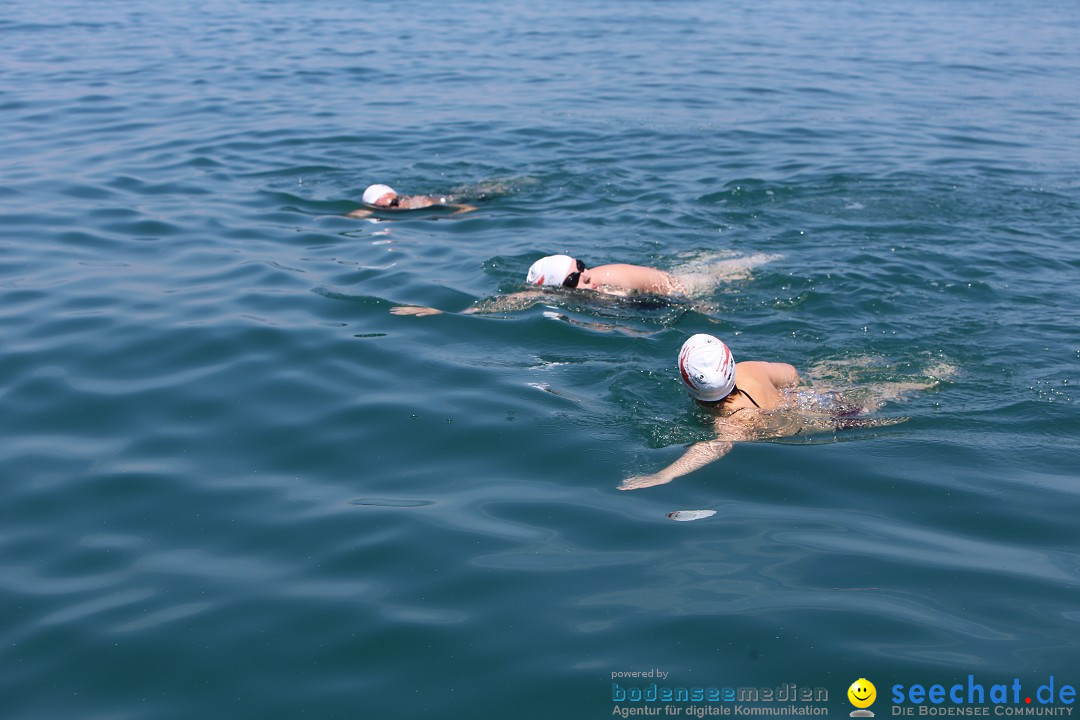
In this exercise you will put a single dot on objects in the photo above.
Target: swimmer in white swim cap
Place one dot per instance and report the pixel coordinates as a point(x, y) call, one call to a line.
point(754, 400)
point(617, 279)
point(614, 279)
point(384, 197)
point(563, 271)
point(380, 196)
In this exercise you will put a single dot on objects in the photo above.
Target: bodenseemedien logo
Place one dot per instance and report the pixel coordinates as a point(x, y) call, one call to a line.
point(862, 695)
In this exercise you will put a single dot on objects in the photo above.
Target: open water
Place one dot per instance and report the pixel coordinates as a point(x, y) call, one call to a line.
point(235, 486)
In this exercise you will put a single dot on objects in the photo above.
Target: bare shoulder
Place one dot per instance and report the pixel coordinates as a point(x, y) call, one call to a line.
point(757, 371)
point(777, 374)
point(756, 366)
point(783, 374)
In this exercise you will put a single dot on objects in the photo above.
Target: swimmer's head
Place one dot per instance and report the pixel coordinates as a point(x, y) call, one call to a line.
point(707, 368)
point(375, 193)
point(550, 270)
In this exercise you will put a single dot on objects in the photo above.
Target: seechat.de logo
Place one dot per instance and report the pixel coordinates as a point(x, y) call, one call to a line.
point(862, 695)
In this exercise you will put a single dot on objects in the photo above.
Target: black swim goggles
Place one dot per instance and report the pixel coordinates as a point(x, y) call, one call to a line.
point(573, 278)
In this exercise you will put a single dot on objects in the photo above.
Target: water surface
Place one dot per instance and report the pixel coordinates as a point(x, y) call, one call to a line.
point(236, 486)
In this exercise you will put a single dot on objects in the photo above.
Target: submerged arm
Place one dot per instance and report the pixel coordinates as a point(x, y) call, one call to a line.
point(501, 303)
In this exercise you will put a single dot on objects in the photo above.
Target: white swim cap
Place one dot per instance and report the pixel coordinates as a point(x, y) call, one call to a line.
point(707, 368)
point(374, 192)
point(550, 270)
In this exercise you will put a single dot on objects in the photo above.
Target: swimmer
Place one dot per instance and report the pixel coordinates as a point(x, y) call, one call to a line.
point(613, 279)
point(618, 279)
point(383, 197)
point(752, 400)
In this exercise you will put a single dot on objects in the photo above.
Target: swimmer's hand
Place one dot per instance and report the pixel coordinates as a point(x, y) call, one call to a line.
point(643, 481)
point(417, 310)
point(360, 213)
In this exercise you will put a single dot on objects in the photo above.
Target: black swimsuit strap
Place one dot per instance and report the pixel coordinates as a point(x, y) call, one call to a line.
point(747, 395)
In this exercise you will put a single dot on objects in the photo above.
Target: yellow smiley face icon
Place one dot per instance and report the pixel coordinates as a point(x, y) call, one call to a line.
point(862, 693)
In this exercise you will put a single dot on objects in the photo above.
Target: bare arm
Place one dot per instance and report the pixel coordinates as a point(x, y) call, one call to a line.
point(696, 457)
point(501, 303)
point(418, 310)
point(729, 431)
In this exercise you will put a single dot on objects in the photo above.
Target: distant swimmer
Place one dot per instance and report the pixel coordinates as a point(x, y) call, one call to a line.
point(754, 400)
point(383, 197)
point(617, 279)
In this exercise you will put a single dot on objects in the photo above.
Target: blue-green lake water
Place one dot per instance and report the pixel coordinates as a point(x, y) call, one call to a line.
point(235, 486)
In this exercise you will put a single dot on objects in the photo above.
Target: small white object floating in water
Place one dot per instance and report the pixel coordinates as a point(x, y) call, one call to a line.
point(689, 515)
